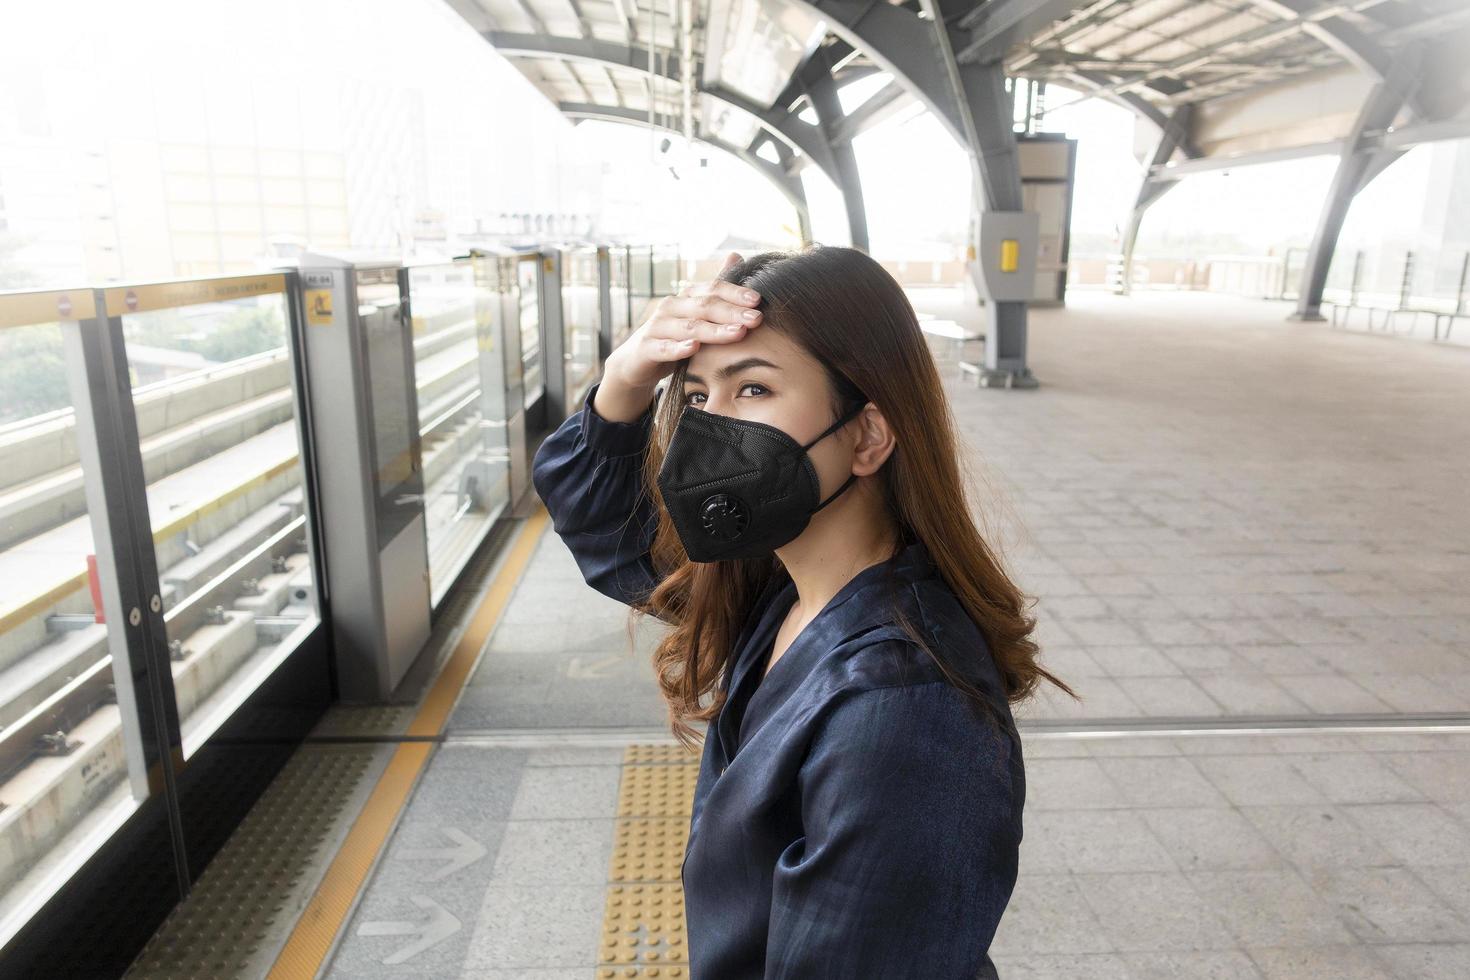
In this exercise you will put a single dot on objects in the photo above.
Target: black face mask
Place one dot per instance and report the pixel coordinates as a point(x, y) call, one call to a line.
point(740, 489)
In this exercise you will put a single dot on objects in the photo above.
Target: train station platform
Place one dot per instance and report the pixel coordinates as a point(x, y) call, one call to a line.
point(1255, 761)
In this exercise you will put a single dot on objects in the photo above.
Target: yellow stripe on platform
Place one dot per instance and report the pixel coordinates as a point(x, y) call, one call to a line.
point(643, 919)
point(311, 940)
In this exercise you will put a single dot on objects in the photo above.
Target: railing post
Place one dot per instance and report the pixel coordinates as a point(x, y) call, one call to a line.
point(1460, 287)
point(1407, 281)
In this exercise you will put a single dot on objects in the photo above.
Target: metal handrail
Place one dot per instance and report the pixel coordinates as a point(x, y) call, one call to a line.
point(150, 296)
point(27, 308)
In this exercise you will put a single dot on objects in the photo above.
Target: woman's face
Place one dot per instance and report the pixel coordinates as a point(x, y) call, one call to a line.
point(765, 377)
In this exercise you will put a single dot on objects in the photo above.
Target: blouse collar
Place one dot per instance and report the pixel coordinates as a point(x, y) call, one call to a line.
point(911, 563)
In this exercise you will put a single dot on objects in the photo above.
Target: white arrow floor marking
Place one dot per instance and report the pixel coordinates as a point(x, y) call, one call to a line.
point(438, 927)
point(466, 852)
point(578, 669)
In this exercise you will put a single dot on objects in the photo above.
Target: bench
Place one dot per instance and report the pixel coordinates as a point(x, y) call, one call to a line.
point(952, 331)
point(1391, 312)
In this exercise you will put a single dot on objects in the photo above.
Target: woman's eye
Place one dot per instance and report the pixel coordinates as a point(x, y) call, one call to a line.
point(760, 390)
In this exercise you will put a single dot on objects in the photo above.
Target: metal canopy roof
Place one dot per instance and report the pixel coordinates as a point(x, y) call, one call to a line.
point(727, 71)
point(1170, 52)
point(713, 79)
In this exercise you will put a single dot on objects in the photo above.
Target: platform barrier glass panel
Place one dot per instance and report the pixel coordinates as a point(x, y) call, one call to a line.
point(528, 276)
point(618, 295)
point(666, 271)
point(210, 366)
point(581, 309)
point(391, 403)
point(640, 278)
point(460, 377)
point(70, 757)
point(498, 274)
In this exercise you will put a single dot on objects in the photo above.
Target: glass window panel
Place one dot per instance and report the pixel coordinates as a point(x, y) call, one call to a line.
point(528, 273)
point(641, 275)
point(665, 271)
point(379, 306)
point(461, 388)
point(67, 776)
point(618, 290)
point(211, 385)
point(581, 322)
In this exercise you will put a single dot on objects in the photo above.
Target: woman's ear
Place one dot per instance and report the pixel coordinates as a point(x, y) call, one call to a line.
point(875, 441)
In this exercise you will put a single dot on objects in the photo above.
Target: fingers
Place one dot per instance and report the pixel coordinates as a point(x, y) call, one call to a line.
point(705, 312)
point(706, 318)
point(730, 292)
point(667, 349)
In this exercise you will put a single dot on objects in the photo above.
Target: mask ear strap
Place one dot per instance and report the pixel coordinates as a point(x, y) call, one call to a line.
point(836, 493)
point(836, 425)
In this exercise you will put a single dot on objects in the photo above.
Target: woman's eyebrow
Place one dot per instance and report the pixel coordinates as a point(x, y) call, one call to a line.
point(734, 368)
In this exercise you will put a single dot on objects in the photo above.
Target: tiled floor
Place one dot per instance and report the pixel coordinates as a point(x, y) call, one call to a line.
point(1304, 855)
point(1223, 514)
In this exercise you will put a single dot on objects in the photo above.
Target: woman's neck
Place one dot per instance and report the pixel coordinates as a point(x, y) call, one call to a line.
point(853, 533)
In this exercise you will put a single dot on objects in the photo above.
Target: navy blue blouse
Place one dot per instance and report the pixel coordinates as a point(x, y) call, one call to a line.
point(855, 816)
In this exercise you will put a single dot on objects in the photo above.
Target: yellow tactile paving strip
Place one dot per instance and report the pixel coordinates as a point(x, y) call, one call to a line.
point(643, 921)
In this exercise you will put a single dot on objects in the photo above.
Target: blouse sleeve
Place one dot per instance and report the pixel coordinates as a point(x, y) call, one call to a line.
point(910, 847)
point(589, 474)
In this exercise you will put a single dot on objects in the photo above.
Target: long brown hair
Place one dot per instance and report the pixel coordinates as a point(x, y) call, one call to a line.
point(844, 309)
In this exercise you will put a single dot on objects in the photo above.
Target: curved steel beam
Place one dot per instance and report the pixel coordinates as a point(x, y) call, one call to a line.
point(1342, 38)
point(971, 102)
point(790, 187)
point(820, 90)
point(901, 44)
point(1174, 136)
point(1345, 40)
point(910, 49)
point(801, 136)
point(1138, 105)
point(1360, 163)
point(996, 25)
point(788, 165)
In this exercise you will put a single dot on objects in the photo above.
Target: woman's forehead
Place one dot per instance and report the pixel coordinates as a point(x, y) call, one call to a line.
point(768, 345)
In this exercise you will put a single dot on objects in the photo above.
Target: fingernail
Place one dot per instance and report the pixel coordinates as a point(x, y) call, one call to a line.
point(751, 314)
point(733, 328)
point(686, 344)
point(751, 297)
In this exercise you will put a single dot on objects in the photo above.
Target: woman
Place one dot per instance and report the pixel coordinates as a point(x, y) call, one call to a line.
point(790, 503)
